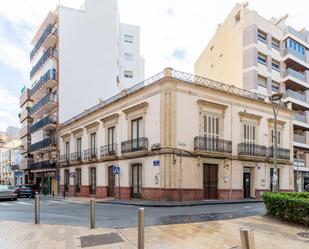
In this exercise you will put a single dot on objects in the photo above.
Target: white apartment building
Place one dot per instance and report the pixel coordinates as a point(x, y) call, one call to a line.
point(79, 56)
point(176, 137)
point(264, 56)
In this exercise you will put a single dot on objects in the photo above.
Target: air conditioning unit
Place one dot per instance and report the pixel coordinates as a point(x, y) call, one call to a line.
point(156, 146)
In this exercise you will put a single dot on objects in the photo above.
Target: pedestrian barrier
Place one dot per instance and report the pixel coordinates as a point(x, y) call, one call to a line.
point(37, 209)
point(141, 229)
point(247, 238)
point(92, 213)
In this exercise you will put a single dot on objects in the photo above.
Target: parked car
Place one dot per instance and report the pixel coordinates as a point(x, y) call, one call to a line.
point(34, 187)
point(7, 193)
point(24, 191)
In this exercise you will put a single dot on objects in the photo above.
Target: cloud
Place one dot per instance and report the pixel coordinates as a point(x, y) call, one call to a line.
point(179, 54)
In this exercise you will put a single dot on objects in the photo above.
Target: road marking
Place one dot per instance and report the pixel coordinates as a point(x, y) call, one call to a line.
point(6, 204)
point(23, 203)
point(58, 202)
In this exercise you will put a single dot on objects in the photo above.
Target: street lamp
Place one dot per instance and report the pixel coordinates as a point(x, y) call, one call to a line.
point(275, 99)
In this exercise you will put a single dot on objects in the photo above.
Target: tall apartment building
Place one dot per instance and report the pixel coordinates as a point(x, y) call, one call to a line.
point(79, 56)
point(264, 56)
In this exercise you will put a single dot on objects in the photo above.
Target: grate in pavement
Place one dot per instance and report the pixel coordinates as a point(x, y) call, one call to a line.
point(100, 239)
point(303, 235)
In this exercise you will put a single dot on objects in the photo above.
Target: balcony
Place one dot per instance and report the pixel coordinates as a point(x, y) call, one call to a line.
point(25, 96)
point(49, 37)
point(133, 145)
point(47, 81)
point(64, 160)
point(109, 150)
point(299, 138)
point(24, 114)
point(46, 144)
point(49, 53)
point(212, 145)
point(283, 154)
point(290, 51)
point(91, 154)
point(290, 30)
point(24, 131)
point(25, 162)
point(300, 117)
point(48, 102)
point(48, 164)
point(299, 163)
point(76, 157)
point(294, 73)
point(45, 123)
point(296, 95)
point(248, 149)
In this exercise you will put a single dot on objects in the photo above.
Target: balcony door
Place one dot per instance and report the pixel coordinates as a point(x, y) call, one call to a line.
point(67, 151)
point(249, 138)
point(136, 132)
point(136, 181)
point(93, 138)
point(211, 132)
point(111, 141)
point(210, 181)
point(79, 148)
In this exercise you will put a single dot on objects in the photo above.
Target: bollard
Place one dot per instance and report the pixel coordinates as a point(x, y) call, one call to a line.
point(37, 209)
point(92, 213)
point(141, 228)
point(247, 238)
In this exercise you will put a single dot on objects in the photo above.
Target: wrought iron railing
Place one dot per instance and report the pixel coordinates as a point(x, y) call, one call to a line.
point(45, 143)
point(50, 29)
point(281, 153)
point(212, 144)
point(64, 159)
point(42, 123)
point(108, 150)
point(91, 154)
point(76, 156)
point(49, 75)
point(132, 145)
point(299, 162)
point(248, 149)
point(51, 52)
point(50, 97)
point(42, 165)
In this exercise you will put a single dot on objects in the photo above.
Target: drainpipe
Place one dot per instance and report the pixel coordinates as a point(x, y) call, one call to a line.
point(231, 163)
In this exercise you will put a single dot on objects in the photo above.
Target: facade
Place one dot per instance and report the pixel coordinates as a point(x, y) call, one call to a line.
point(264, 56)
point(173, 137)
point(79, 56)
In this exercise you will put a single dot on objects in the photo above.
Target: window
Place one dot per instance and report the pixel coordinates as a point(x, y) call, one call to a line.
point(78, 180)
point(262, 58)
point(66, 179)
point(211, 126)
point(128, 56)
point(275, 86)
point(262, 81)
point(290, 43)
point(278, 137)
point(93, 141)
point(79, 147)
point(136, 132)
point(275, 65)
point(275, 43)
point(128, 38)
point(67, 150)
point(111, 138)
point(128, 74)
point(249, 133)
point(261, 36)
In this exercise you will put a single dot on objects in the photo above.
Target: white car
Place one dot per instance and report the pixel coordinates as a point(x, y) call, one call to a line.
point(7, 193)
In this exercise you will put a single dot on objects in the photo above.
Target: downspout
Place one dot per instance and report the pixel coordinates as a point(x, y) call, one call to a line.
point(231, 161)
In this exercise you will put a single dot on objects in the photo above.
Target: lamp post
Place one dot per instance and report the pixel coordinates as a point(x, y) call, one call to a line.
point(275, 100)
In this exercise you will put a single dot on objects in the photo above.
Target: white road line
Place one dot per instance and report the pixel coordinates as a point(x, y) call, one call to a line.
point(58, 202)
point(6, 204)
point(23, 203)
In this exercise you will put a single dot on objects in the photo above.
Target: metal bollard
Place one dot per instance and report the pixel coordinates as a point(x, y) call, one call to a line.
point(92, 213)
point(141, 229)
point(37, 209)
point(247, 238)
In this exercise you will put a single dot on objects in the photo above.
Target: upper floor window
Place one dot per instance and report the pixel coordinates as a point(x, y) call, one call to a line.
point(262, 58)
point(290, 43)
point(275, 43)
point(275, 65)
point(128, 38)
point(262, 81)
point(128, 56)
point(278, 137)
point(128, 74)
point(262, 36)
point(211, 126)
point(93, 141)
point(249, 133)
point(137, 128)
point(275, 86)
point(79, 145)
point(67, 150)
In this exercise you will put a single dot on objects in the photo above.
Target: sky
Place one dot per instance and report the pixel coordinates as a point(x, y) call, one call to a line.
point(173, 33)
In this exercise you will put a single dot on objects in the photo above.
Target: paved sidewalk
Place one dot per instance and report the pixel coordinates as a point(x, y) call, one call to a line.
point(269, 234)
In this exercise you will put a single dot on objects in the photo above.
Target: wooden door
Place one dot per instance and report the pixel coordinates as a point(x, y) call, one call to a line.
point(137, 181)
point(93, 181)
point(247, 185)
point(111, 182)
point(210, 181)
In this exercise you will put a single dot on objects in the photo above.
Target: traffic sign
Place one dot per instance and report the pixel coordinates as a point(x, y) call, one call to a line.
point(156, 163)
point(116, 170)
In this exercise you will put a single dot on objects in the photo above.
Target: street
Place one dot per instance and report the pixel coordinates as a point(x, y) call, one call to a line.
point(66, 212)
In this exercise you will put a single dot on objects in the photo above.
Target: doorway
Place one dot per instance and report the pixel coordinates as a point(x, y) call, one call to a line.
point(137, 181)
point(111, 182)
point(93, 182)
point(247, 184)
point(210, 181)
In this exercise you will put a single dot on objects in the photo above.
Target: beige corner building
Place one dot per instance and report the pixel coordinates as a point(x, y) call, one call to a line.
point(173, 137)
point(264, 56)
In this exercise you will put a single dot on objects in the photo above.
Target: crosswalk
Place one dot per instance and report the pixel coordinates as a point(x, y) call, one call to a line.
point(30, 202)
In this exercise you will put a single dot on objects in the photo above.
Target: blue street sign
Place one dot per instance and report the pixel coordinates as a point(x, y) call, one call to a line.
point(116, 170)
point(156, 163)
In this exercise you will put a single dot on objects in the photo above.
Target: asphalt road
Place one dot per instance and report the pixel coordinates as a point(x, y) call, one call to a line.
point(58, 211)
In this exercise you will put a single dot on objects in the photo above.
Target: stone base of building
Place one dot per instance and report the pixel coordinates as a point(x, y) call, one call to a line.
point(227, 194)
point(172, 194)
point(125, 193)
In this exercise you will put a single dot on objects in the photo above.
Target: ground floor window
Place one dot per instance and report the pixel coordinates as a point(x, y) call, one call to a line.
point(78, 180)
point(66, 180)
point(93, 181)
point(137, 181)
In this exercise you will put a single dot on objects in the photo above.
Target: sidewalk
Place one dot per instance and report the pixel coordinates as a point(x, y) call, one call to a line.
point(269, 234)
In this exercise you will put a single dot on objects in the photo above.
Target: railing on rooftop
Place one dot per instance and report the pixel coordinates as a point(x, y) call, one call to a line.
point(50, 97)
point(50, 52)
point(49, 75)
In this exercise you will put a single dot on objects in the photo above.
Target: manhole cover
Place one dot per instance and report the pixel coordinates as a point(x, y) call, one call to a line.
point(303, 235)
point(100, 239)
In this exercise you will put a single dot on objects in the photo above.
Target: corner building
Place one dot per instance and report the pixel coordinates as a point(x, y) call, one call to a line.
point(175, 137)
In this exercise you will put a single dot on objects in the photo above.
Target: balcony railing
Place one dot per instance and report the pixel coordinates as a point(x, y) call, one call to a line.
point(76, 156)
point(298, 75)
point(299, 138)
point(51, 29)
point(51, 52)
point(50, 97)
point(298, 34)
point(24, 114)
point(300, 117)
point(108, 150)
point(299, 162)
point(64, 159)
point(132, 145)
point(49, 75)
point(91, 154)
point(45, 143)
point(248, 149)
point(281, 153)
point(42, 123)
point(42, 165)
point(296, 95)
point(212, 144)
point(294, 53)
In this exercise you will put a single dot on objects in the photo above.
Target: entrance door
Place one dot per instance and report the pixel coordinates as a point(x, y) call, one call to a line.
point(93, 182)
point(136, 180)
point(210, 181)
point(111, 182)
point(246, 182)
